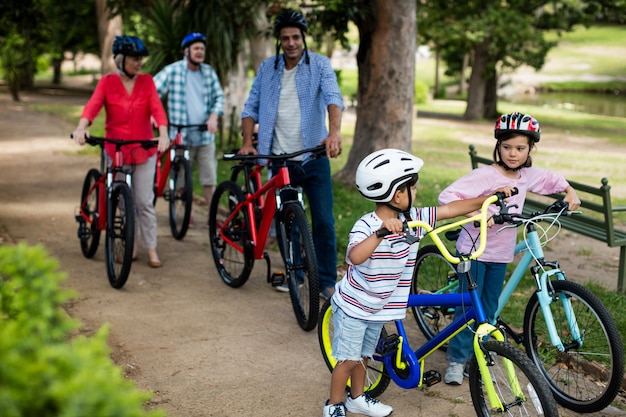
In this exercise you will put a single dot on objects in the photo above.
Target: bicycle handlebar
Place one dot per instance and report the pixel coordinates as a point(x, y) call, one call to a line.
point(95, 140)
point(317, 151)
point(559, 207)
point(482, 217)
point(201, 127)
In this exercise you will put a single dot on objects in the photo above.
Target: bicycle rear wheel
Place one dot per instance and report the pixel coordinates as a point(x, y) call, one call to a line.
point(229, 235)
point(376, 380)
point(300, 264)
point(532, 399)
point(88, 231)
point(180, 196)
point(584, 378)
point(120, 235)
point(433, 274)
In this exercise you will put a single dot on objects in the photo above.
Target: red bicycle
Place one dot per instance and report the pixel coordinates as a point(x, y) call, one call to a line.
point(106, 203)
point(240, 223)
point(174, 182)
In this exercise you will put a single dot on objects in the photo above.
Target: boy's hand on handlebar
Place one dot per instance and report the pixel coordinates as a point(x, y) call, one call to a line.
point(393, 225)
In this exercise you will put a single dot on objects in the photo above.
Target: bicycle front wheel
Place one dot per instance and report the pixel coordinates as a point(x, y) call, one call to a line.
point(180, 196)
point(586, 376)
point(120, 235)
point(88, 231)
point(433, 274)
point(518, 384)
point(229, 235)
point(376, 380)
point(300, 264)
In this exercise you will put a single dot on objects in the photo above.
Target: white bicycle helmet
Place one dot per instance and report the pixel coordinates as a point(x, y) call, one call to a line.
point(379, 174)
point(518, 123)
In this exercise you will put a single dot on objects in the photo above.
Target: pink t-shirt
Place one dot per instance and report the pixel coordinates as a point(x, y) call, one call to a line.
point(483, 181)
point(127, 116)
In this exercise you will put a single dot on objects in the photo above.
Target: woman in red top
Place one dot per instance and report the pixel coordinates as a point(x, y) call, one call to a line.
point(130, 99)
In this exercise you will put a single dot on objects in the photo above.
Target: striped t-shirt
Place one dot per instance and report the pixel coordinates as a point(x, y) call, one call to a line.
point(378, 289)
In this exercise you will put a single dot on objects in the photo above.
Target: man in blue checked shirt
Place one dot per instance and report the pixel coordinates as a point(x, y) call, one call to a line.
point(194, 97)
point(289, 99)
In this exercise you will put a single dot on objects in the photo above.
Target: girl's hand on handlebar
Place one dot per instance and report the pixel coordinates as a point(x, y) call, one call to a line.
point(507, 191)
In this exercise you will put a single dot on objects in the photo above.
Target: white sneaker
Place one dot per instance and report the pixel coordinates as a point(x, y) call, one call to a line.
point(364, 404)
point(334, 410)
point(454, 374)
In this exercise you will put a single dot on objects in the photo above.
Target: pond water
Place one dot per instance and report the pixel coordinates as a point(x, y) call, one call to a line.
point(604, 104)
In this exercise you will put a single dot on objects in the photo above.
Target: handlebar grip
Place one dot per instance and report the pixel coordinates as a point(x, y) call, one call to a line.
point(382, 232)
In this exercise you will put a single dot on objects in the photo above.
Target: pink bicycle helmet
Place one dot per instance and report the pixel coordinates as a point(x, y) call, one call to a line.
point(379, 174)
point(517, 123)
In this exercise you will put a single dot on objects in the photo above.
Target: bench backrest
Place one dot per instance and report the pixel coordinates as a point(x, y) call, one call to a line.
point(600, 226)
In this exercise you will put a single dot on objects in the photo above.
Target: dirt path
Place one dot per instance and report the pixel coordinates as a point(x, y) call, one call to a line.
point(204, 349)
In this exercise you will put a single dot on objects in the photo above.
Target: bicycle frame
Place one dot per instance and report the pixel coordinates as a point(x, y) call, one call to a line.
point(475, 313)
point(532, 250)
point(268, 206)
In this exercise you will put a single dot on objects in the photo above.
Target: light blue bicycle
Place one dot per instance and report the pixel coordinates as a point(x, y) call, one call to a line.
point(567, 331)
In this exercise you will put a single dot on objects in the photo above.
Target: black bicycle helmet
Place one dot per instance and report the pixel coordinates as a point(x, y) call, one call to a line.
point(517, 123)
point(129, 46)
point(290, 18)
point(193, 37)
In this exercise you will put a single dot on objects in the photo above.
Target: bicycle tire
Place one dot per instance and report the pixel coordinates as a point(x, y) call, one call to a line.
point(88, 232)
point(585, 378)
point(180, 196)
point(433, 274)
point(376, 380)
point(537, 398)
point(120, 235)
point(231, 247)
point(300, 264)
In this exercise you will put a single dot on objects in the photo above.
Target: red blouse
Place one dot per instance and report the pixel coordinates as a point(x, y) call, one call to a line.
point(127, 116)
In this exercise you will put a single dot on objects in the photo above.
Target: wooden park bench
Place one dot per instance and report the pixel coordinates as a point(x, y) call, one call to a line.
point(597, 220)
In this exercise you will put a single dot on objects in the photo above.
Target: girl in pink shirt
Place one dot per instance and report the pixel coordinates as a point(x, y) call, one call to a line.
point(516, 135)
point(130, 99)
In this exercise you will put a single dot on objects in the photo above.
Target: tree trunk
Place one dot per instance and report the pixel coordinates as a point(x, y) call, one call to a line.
point(56, 70)
point(386, 62)
point(261, 46)
point(491, 95)
point(478, 82)
point(463, 84)
point(107, 30)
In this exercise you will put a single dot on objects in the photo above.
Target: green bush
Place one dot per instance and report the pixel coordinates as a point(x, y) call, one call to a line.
point(43, 371)
point(421, 93)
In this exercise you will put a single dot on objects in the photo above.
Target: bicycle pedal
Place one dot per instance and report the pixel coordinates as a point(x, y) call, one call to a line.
point(277, 278)
point(388, 345)
point(431, 378)
point(166, 195)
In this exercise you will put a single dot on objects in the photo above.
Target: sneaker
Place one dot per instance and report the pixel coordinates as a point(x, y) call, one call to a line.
point(326, 293)
point(334, 410)
point(466, 370)
point(454, 374)
point(364, 404)
point(282, 287)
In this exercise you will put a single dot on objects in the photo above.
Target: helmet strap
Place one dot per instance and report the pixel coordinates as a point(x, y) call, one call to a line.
point(124, 68)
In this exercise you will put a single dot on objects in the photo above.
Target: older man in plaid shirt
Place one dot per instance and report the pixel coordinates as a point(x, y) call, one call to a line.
point(194, 97)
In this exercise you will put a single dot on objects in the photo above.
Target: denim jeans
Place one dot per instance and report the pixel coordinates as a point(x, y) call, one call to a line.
point(314, 178)
point(489, 278)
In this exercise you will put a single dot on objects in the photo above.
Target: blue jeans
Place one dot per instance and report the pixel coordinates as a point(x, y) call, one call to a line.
point(489, 278)
point(314, 178)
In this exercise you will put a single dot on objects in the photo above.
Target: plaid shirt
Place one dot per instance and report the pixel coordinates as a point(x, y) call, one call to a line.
point(171, 81)
point(317, 88)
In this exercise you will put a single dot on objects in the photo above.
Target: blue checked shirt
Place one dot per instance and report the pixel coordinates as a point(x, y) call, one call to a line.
point(171, 81)
point(316, 84)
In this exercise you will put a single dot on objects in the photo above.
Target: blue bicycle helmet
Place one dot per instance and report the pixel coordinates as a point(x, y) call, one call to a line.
point(129, 46)
point(193, 37)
